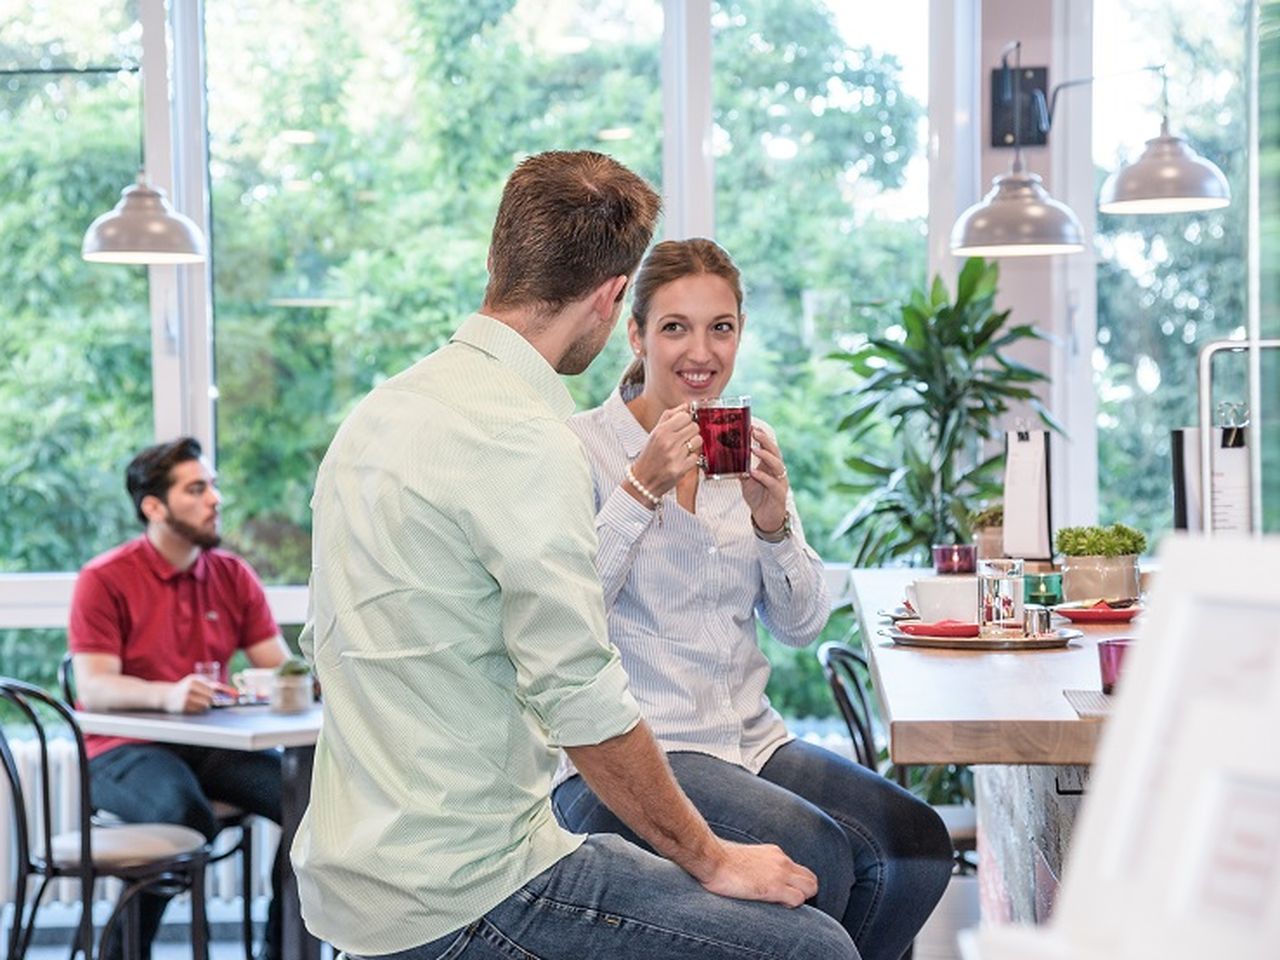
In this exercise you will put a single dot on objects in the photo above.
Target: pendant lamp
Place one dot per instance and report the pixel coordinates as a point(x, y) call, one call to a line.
point(143, 228)
point(1018, 217)
point(1169, 177)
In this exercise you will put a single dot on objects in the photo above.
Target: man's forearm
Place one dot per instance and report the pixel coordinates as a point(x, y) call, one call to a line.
point(121, 693)
point(631, 775)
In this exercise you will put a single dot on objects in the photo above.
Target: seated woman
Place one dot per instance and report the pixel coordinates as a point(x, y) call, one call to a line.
point(687, 566)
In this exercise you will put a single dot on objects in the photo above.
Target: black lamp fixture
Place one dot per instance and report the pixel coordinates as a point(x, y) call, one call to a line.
point(1169, 177)
point(1018, 217)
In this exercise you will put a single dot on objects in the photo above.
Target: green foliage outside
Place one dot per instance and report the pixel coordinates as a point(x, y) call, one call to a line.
point(1116, 540)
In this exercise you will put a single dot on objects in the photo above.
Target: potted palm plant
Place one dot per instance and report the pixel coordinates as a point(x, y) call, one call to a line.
point(942, 386)
point(1100, 562)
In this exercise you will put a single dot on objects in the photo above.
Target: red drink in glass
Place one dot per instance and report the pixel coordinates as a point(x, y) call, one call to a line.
point(725, 427)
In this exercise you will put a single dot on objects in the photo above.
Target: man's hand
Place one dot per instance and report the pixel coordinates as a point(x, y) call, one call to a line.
point(761, 872)
point(630, 774)
point(191, 694)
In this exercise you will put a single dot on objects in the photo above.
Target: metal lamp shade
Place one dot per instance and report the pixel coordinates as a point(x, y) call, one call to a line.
point(1017, 218)
point(1169, 177)
point(143, 228)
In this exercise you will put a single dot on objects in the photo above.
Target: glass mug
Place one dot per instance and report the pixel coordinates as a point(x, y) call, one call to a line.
point(1000, 598)
point(725, 427)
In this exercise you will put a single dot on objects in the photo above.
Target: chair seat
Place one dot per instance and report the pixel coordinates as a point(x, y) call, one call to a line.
point(960, 819)
point(128, 845)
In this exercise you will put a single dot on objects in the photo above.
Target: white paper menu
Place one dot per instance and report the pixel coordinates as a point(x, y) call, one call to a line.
point(1026, 495)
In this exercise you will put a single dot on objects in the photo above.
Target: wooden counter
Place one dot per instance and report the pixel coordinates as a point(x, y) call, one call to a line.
point(977, 707)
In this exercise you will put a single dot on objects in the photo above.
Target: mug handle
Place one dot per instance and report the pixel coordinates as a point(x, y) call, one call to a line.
point(237, 681)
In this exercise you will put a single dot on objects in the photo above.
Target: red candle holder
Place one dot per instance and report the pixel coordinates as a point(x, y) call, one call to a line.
point(955, 557)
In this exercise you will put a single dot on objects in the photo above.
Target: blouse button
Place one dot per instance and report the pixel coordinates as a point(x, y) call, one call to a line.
point(711, 550)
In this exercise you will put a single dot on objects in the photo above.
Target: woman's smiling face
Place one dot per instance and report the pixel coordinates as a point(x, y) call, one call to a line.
point(690, 340)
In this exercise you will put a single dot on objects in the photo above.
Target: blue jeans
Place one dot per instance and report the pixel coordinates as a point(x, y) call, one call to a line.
point(610, 899)
point(173, 783)
point(883, 858)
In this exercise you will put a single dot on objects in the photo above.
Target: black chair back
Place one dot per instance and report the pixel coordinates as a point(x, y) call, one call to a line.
point(849, 677)
point(67, 679)
point(34, 850)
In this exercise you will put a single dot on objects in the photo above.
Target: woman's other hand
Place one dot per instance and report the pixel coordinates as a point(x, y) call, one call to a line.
point(766, 489)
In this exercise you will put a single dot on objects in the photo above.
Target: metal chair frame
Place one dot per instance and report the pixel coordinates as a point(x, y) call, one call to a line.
point(234, 819)
point(172, 874)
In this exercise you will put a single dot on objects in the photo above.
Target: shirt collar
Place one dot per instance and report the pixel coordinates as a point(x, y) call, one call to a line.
point(163, 569)
point(511, 349)
point(631, 435)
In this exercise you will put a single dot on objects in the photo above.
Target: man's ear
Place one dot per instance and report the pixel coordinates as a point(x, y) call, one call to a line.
point(153, 508)
point(608, 295)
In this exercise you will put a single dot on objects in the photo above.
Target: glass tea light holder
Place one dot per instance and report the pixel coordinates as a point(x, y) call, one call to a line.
point(955, 557)
point(1042, 588)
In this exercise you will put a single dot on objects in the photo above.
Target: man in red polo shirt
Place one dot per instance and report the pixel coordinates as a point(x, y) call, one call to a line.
point(142, 616)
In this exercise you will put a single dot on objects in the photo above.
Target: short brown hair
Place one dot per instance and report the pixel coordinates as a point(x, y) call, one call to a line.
point(669, 261)
point(150, 473)
point(568, 222)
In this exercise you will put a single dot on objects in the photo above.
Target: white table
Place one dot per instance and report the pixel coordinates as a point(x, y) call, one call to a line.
point(241, 728)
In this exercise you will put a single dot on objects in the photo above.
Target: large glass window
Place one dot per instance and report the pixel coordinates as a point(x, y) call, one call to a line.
point(354, 175)
point(1166, 284)
point(75, 380)
point(821, 197)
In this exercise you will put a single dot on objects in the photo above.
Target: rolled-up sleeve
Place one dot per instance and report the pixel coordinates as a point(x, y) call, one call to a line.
point(534, 532)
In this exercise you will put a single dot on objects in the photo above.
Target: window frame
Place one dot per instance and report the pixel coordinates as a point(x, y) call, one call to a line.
point(183, 370)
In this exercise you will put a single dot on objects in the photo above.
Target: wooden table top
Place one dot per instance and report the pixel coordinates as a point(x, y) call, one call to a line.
point(975, 706)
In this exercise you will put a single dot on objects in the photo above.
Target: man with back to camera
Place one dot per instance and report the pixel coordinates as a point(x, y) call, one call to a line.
point(458, 627)
point(142, 616)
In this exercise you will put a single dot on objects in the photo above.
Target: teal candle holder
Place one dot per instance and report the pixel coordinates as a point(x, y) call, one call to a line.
point(1042, 588)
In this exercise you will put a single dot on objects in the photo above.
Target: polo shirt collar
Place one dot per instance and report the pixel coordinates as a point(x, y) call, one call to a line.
point(515, 352)
point(630, 434)
point(163, 569)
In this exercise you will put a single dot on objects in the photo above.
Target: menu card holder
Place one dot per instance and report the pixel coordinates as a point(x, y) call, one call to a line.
point(1027, 495)
point(1230, 501)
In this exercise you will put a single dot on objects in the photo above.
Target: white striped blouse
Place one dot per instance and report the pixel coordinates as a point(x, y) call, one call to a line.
point(683, 596)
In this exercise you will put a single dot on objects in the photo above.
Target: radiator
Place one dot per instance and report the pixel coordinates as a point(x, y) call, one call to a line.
point(222, 882)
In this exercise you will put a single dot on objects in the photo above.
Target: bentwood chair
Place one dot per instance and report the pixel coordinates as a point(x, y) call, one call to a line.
point(229, 817)
point(849, 677)
point(160, 857)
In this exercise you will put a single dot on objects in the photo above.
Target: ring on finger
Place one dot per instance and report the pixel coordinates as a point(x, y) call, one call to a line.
point(688, 447)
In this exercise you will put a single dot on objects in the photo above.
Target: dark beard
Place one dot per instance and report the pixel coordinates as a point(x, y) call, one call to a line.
point(206, 541)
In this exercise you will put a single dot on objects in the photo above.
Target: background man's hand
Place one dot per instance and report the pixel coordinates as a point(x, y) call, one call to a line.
point(191, 694)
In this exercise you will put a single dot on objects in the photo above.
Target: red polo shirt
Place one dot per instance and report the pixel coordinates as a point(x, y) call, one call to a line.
point(132, 603)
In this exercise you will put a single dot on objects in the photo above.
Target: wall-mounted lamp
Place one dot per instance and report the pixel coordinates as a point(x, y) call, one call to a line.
point(1168, 178)
point(1018, 217)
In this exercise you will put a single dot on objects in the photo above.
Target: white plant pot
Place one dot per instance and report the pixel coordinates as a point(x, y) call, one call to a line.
point(292, 694)
point(1110, 577)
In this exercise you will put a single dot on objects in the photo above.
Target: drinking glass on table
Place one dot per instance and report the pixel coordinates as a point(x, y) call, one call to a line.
point(1000, 598)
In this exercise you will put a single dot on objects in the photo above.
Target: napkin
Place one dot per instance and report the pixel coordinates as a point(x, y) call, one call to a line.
point(942, 628)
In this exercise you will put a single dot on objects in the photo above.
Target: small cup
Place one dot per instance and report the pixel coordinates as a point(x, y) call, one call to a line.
point(1042, 588)
point(955, 557)
point(1110, 658)
point(725, 427)
point(1036, 620)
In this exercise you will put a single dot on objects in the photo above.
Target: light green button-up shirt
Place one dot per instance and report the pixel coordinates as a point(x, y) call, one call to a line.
point(458, 630)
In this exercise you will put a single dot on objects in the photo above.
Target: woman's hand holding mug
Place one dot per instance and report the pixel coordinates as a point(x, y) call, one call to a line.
point(672, 451)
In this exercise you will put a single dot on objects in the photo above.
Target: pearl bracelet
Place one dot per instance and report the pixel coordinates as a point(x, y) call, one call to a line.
point(655, 501)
